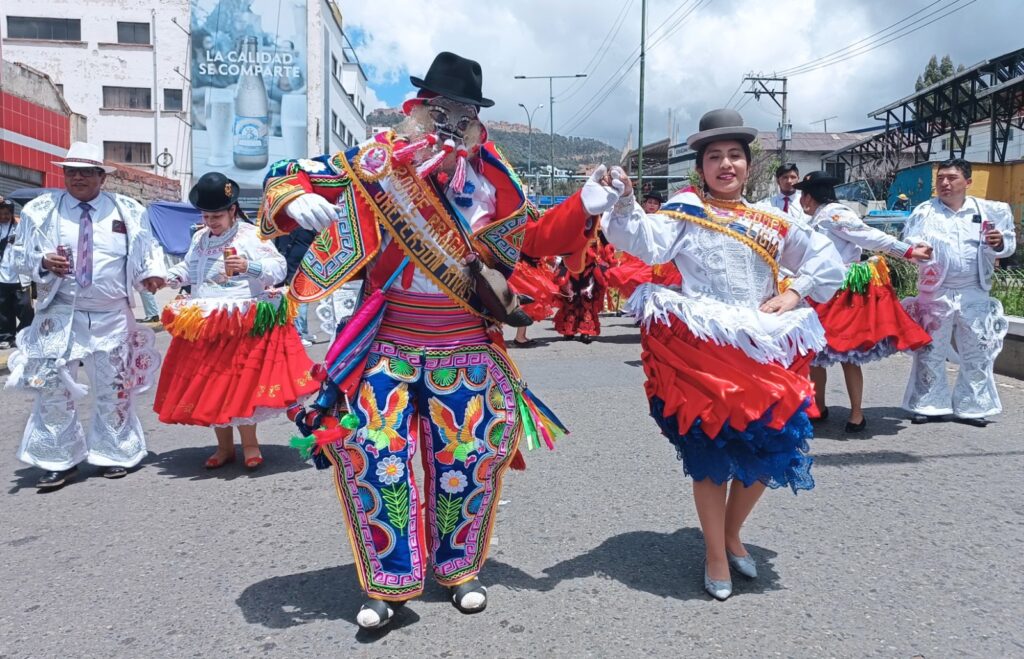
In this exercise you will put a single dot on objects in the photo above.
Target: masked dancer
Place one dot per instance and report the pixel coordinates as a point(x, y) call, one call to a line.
point(432, 214)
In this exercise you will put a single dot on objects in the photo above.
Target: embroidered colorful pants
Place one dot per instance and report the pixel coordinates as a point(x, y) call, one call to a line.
point(456, 406)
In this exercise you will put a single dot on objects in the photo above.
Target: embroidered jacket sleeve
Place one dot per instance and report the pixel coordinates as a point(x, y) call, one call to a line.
point(999, 214)
point(145, 255)
point(265, 263)
point(31, 243)
point(845, 224)
point(651, 238)
point(562, 230)
point(180, 274)
point(913, 232)
point(816, 265)
point(287, 180)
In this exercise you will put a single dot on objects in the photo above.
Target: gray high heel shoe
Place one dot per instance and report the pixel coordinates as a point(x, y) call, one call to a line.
point(720, 590)
point(745, 565)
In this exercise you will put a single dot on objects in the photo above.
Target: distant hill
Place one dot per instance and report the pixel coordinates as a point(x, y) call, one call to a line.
point(514, 141)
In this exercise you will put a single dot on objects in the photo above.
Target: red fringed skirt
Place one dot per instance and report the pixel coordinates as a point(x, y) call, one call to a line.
point(862, 327)
point(631, 272)
point(225, 369)
point(537, 281)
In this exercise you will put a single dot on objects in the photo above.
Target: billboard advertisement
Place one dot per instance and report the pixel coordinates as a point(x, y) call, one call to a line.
point(248, 88)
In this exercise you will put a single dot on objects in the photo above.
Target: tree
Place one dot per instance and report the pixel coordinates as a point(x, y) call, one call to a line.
point(761, 172)
point(937, 71)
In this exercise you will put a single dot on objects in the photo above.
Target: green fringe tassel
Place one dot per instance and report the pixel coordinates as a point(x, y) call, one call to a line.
point(282, 312)
point(267, 316)
point(529, 429)
point(304, 445)
point(857, 279)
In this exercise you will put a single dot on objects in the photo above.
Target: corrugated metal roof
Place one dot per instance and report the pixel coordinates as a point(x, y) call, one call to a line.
point(823, 142)
point(811, 142)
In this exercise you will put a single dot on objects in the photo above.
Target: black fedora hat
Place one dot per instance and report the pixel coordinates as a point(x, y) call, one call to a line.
point(213, 192)
point(721, 124)
point(454, 77)
point(818, 179)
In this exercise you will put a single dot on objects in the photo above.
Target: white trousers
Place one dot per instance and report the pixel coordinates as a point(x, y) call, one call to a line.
point(54, 438)
point(977, 324)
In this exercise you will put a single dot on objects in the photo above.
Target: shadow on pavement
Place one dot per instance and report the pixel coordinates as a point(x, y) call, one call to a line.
point(867, 458)
point(882, 422)
point(662, 564)
point(26, 477)
point(188, 463)
point(328, 594)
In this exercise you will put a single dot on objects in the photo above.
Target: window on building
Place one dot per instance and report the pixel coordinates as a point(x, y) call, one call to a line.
point(138, 153)
point(335, 68)
point(51, 29)
point(127, 98)
point(133, 33)
point(59, 87)
point(172, 100)
point(335, 122)
point(956, 142)
point(836, 169)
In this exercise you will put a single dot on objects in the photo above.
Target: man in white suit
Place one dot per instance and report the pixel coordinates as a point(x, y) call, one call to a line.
point(86, 250)
point(967, 236)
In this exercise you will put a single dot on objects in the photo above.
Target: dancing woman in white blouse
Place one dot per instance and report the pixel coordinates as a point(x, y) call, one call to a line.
point(725, 356)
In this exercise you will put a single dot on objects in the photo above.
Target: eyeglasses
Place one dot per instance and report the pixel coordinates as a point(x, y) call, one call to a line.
point(82, 172)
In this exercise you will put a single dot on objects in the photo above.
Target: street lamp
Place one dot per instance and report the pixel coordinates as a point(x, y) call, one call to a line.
point(551, 110)
point(529, 139)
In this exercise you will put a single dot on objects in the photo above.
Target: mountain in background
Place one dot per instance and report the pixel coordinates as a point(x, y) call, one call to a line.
point(573, 153)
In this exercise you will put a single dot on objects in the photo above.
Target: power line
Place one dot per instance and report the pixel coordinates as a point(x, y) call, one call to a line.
point(631, 62)
point(598, 54)
point(737, 91)
point(866, 48)
point(622, 71)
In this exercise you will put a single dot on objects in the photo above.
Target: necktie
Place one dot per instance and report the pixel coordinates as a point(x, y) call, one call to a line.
point(83, 269)
point(785, 204)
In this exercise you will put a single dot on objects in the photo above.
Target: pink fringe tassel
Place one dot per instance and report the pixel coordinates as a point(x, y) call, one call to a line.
point(406, 153)
point(459, 180)
point(435, 161)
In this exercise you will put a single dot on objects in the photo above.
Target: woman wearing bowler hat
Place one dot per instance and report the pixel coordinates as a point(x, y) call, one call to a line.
point(235, 358)
point(722, 357)
point(864, 320)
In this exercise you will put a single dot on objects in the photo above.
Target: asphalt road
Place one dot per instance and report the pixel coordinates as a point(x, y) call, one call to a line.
point(910, 545)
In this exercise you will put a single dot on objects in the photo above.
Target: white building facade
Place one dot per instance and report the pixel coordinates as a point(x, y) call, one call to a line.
point(979, 141)
point(344, 105)
point(125, 67)
point(115, 64)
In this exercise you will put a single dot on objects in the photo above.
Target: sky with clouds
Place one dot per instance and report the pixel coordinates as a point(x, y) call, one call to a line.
point(699, 51)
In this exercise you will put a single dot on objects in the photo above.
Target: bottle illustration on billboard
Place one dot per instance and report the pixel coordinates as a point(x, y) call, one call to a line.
point(251, 134)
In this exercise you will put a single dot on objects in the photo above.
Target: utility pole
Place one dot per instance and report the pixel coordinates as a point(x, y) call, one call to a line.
point(640, 126)
point(757, 88)
point(529, 139)
point(156, 90)
point(825, 122)
point(551, 110)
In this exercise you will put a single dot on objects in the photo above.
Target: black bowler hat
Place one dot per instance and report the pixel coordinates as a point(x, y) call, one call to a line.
point(454, 77)
point(655, 196)
point(818, 179)
point(722, 124)
point(214, 192)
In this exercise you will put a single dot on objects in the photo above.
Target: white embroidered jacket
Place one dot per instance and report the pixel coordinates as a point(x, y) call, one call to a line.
point(37, 235)
point(934, 223)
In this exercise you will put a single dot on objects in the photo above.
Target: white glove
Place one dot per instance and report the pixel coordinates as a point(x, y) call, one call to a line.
point(597, 197)
point(621, 182)
point(312, 211)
